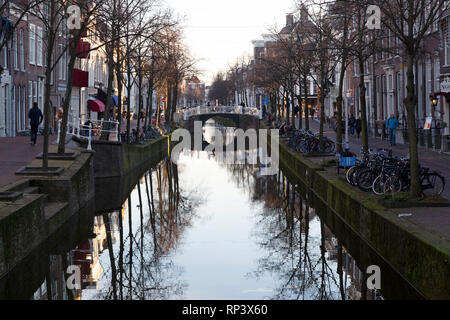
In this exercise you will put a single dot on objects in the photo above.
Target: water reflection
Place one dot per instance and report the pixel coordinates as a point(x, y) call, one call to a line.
point(211, 128)
point(207, 230)
point(306, 260)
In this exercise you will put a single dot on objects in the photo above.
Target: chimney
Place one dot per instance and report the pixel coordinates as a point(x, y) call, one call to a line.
point(289, 19)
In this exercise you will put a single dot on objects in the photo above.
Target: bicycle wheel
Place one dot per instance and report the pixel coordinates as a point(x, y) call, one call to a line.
point(349, 173)
point(303, 147)
point(378, 184)
point(393, 185)
point(331, 146)
point(365, 180)
point(433, 184)
point(328, 146)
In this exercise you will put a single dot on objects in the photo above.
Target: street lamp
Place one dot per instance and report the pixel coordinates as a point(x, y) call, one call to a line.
point(434, 100)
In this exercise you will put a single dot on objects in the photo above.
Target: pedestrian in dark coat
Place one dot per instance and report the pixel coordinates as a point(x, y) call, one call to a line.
point(36, 117)
point(358, 127)
point(351, 124)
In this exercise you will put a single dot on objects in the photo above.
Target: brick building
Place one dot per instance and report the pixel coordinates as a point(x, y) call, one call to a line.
point(385, 81)
point(23, 61)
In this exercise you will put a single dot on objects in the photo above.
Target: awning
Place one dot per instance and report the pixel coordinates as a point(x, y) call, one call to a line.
point(96, 106)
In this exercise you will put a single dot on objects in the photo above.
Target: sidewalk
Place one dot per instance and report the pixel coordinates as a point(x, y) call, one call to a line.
point(433, 160)
point(16, 153)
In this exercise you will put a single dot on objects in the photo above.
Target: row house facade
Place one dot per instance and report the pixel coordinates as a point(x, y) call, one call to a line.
point(267, 48)
point(385, 80)
point(23, 61)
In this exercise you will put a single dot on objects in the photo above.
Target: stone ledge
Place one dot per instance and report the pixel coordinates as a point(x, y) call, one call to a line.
point(38, 171)
point(10, 196)
point(57, 156)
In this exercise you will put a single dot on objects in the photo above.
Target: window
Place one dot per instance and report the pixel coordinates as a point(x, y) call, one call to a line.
point(30, 94)
point(22, 53)
point(19, 110)
point(421, 90)
point(447, 46)
point(437, 85)
point(389, 44)
point(62, 65)
point(16, 62)
point(4, 54)
point(39, 47)
point(24, 106)
point(40, 89)
point(32, 44)
point(428, 79)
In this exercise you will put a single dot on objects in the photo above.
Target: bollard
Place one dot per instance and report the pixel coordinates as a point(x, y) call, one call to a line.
point(59, 131)
point(89, 147)
point(78, 127)
point(117, 131)
point(73, 125)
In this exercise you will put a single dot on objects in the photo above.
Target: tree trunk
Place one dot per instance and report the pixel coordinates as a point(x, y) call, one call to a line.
point(322, 116)
point(300, 113)
point(362, 101)
point(108, 91)
point(416, 189)
point(140, 101)
point(174, 100)
point(339, 101)
point(48, 73)
point(67, 97)
point(305, 85)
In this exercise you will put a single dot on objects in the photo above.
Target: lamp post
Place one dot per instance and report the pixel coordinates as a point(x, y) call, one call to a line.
point(434, 101)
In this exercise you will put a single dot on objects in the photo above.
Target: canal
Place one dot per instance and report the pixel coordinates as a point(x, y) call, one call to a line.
point(203, 230)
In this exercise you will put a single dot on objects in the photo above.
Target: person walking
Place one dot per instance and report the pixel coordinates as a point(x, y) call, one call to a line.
point(351, 124)
point(36, 117)
point(358, 127)
point(392, 125)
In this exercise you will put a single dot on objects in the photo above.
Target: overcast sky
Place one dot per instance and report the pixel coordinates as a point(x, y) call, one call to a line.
point(220, 31)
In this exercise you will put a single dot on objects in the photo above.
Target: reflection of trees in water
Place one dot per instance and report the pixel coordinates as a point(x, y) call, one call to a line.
point(139, 266)
point(294, 255)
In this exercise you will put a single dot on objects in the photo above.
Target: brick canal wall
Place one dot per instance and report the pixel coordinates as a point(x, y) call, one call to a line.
point(114, 159)
point(418, 256)
point(27, 222)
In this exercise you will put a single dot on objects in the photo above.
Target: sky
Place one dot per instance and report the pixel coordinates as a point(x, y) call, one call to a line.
point(218, 32)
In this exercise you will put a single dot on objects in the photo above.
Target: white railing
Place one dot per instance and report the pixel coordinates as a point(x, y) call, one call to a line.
point(91, 129)
point(221, 109)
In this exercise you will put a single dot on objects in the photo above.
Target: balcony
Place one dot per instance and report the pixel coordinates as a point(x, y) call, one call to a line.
point(80, 78)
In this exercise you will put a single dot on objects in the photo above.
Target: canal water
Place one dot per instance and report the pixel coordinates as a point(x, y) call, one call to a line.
point(211, 231)
point(200, 229)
